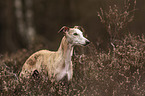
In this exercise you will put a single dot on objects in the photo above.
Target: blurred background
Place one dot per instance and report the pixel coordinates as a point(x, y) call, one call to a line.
point(25, 23)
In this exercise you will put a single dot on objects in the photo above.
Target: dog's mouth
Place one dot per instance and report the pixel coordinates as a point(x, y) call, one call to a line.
point(82, 44)
point(85, 44)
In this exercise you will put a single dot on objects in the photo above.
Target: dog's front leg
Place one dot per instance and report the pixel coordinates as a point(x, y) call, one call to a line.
point(70, 72)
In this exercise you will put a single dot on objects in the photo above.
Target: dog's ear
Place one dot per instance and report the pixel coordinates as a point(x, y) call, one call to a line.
point(64, 29)
point(80, 28)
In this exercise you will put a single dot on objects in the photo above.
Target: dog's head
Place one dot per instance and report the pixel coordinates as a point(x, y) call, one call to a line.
point(75, 35)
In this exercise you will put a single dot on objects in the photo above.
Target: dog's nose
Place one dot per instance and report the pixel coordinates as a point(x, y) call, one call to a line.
point(87, 42)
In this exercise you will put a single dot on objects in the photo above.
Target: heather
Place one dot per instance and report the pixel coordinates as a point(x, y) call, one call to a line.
point(119, 71)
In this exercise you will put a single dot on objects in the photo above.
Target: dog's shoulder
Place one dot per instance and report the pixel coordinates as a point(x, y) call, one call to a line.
point(35, 56)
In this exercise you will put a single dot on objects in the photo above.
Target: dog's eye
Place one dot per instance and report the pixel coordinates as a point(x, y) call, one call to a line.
point(75, 34)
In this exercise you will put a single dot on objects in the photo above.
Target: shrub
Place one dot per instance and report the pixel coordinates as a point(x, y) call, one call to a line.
point(116, 19)
point(116, 73)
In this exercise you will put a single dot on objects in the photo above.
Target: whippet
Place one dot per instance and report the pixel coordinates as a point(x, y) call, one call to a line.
point(57, 64)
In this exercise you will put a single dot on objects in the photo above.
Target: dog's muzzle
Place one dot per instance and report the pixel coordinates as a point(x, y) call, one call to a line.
point(87, 42)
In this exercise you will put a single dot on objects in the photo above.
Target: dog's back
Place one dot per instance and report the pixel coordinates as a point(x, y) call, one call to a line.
point(42, 60)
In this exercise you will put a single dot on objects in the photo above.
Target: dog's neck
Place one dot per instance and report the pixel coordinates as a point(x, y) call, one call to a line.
point(65, 52)
point(66, 49)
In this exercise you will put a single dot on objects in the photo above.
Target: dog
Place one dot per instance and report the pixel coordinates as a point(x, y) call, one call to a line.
point(58, 63)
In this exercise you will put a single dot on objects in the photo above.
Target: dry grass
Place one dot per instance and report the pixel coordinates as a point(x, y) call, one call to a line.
point(116, 73)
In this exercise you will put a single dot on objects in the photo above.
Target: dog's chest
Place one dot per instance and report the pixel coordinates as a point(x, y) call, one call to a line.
point(66, 67)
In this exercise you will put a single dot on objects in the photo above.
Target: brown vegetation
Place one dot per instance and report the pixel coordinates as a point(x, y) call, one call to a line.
point(116, 73)
point(119, 72)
